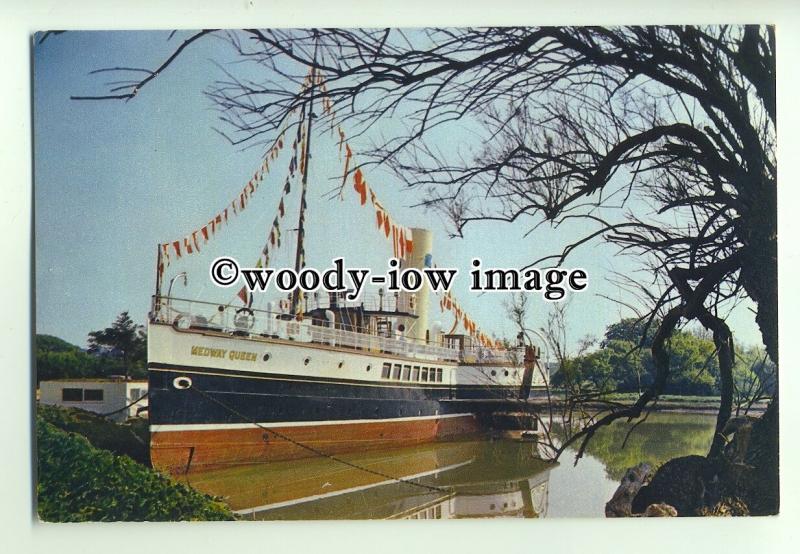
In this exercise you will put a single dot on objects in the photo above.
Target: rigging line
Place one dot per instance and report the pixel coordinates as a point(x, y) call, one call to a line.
point(315, 450)
point(283, 195)
point(305, 155)
point(260, 170)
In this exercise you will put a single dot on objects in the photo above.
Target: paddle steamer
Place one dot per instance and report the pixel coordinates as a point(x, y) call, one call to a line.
point(315, 374)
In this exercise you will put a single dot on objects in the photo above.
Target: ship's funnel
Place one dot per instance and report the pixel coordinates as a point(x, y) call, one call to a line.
point(419, 258)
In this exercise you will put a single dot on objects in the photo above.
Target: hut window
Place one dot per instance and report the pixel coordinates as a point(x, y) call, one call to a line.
point(71, 395)
point(93, 395)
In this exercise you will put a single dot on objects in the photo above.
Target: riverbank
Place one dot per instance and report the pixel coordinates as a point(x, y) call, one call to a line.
point(665, 404)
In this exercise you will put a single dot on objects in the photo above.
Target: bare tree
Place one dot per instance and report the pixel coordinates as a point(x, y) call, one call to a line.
point(672, 127)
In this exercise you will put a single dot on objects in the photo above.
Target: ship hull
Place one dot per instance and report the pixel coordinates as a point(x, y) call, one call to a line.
point(300, 400)
point(190, 449)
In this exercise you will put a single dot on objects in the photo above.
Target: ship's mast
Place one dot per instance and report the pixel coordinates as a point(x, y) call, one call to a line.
point(159, 271)
point(299, 260)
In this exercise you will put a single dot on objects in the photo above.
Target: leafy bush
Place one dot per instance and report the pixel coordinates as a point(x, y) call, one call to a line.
point(78, 482)
point(130, 439)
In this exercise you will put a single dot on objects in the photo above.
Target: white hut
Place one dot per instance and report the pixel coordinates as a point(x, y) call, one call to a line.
point(102, 396)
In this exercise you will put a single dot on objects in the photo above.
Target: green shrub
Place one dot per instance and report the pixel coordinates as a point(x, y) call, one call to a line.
point(128, 439)
point(78, 482)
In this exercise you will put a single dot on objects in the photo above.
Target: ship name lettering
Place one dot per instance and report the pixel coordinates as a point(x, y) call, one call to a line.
point(244, 356)
point(208, 352)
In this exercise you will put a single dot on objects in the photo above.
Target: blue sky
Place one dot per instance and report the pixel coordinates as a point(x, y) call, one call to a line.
point(113, 179)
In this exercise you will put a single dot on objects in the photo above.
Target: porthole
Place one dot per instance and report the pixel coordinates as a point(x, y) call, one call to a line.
point(494, 373)
point(369, 367)
point(307, 361)
point(341, 364)
point(182, 383)
point(506, 373)
point(266, 357)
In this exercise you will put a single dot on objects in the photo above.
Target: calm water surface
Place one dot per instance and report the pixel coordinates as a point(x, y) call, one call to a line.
point(477, 478)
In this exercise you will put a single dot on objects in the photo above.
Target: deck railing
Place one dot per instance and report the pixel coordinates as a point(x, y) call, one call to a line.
point(194, 314)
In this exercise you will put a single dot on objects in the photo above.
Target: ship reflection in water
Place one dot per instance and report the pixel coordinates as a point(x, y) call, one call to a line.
point(451, 480)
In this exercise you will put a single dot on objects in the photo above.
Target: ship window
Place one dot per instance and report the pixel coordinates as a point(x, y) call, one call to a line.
point(406, 372)
point(424, 374)
point(93, 395)
point(396, 372)
point(306, 361)
point(415, 374)
point(341, 364)
point(494, 373)
point(387, 368)
point(266, 357)
point(369, 367)
point(71, 395)
point(439, 375)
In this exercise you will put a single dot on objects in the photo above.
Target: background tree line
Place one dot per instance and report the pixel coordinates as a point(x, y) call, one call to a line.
point(120, 349)
point(623, 362)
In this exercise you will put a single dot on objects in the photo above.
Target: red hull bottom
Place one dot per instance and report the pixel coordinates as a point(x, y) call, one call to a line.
point(181, 451)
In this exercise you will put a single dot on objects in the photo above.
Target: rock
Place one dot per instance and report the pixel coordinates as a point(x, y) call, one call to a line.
point(660, 510)
point(633, 480)
point(679, 482)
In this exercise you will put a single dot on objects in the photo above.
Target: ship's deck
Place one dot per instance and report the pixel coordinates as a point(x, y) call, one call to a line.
point(246, 322)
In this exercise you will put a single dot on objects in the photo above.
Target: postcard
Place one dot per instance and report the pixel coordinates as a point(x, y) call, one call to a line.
point(405, 273)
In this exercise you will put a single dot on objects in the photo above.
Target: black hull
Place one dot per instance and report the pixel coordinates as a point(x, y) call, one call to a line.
point(226, 397)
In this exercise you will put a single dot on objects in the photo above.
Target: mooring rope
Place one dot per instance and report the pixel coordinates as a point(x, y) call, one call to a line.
point(315, 450)
point(126, 407)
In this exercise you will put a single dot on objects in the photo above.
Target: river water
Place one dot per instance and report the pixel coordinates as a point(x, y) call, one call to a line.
point(475, 478)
